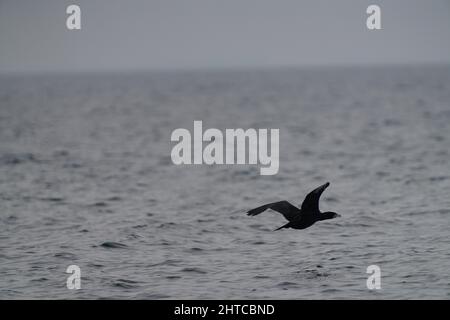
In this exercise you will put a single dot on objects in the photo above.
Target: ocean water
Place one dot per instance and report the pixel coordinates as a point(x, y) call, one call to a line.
point(86, 178)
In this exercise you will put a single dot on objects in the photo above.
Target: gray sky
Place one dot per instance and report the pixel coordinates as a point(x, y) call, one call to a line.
point(186, 34)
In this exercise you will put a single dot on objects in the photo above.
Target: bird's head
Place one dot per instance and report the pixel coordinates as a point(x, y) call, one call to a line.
point(329, 215)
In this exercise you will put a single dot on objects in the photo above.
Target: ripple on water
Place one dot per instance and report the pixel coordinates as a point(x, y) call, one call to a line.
point(193, 270)
point(168, 262)
point(196, 250)
point(53, 199)
point(113, 245)
point(125, 284)
point(42, 279)
point(140, 226)
point(18, 158)
point(285, 285)
point(99, 204)
point(167, 225)
point(258, 242)
point(312, 273)
point(114, 198)
point(95, 265)
point(10, 219)
point(65, 255)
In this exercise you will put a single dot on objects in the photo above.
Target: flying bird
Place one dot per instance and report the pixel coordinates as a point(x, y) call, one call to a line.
point(302, 218)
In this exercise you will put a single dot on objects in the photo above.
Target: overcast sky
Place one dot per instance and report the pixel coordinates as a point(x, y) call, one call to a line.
point(190, 34)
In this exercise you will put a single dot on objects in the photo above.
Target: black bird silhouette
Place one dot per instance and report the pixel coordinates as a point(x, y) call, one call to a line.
point(299, 218)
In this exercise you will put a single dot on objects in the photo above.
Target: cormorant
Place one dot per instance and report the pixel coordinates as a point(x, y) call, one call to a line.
point(299, 218)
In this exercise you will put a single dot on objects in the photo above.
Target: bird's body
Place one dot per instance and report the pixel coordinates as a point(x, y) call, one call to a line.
point(299, 218)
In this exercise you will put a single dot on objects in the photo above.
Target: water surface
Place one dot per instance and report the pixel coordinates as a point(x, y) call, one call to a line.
point(86, 178)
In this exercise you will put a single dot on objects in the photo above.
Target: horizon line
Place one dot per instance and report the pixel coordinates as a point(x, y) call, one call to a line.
point(213, 69)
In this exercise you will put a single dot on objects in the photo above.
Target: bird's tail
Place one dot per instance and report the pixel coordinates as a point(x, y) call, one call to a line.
point(284, 226)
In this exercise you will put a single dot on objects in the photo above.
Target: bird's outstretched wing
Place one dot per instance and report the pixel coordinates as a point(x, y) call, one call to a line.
point(289, 211)
point(311, 202)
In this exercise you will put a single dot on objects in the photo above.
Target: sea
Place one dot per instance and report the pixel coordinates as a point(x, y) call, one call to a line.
point(87, 179)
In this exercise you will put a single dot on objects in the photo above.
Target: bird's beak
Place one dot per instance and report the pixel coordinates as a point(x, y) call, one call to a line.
point(338, 215)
